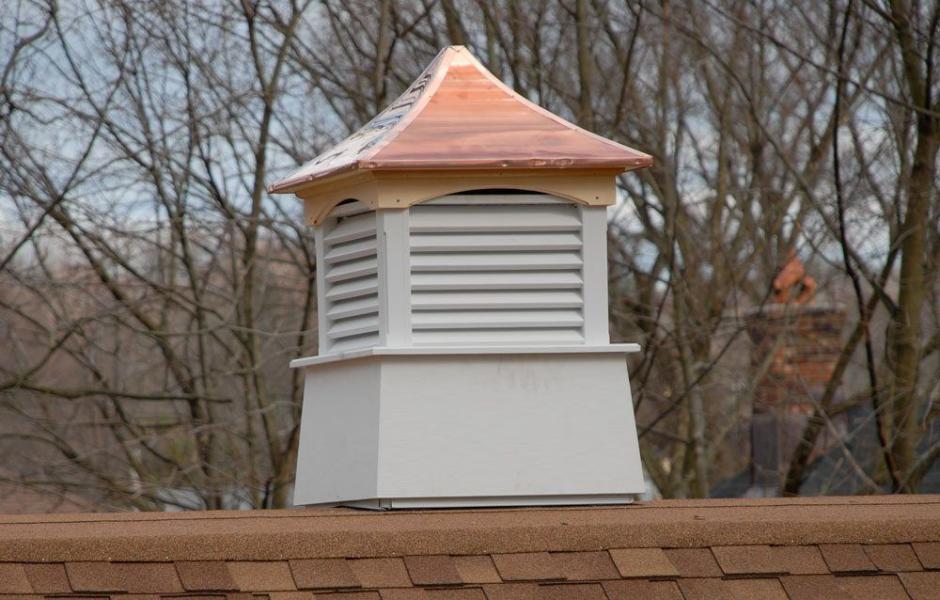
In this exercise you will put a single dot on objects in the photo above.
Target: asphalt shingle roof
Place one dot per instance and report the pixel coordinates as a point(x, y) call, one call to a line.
point(875, 547)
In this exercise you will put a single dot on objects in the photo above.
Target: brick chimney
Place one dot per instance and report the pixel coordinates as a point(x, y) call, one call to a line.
point(796, 344)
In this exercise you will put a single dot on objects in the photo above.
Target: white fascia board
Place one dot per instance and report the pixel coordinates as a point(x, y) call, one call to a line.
point(309, 361)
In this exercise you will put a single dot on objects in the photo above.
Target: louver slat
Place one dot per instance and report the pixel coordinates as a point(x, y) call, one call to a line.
point(364, 286)
point(462, 260)
point(501, 319)
point(351, 277)
point(483, 242)
point(519, 218)
point(352, 228)
point(359, 306)
point(341, 253)
point(353, 269)
point(497, 299)
point(496, 275)
point(473, 280)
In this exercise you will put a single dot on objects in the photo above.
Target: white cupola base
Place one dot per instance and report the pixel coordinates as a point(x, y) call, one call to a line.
point(446, 427)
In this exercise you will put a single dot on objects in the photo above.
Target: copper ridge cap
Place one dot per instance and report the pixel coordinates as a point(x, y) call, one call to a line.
point(373, 147)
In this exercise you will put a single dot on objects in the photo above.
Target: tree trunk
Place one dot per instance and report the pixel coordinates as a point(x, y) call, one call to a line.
point(906, 326)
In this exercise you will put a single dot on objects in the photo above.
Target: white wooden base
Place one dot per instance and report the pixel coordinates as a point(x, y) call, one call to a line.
point(434, 429)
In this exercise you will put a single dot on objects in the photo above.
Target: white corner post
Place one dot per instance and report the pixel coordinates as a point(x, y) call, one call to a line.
point(394, 277)
point(323, 305)
point(594, 273)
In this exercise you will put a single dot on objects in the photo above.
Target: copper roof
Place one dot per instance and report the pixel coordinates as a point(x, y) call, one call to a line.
point(458, 115)
point(877, 547)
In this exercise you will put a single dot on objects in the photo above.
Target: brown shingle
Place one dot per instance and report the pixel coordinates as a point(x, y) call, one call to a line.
point(882, 587)
point(572, 591)
point(324, 573)
point(705, 589)
point(380, 572)
point(756, 589)
point(205, 576)
point(432, 570)
point(287, 596)
point(456, 594)
point(47, 578)
point(813, 587)
point(746, 560)
point(94, 577)
point(512, 591)
point(404, 594)
point(894, 558)
point(262, 575)
point(846, 558)
point(921, 586)
point(642, 562)
point(347, 596)
point(476, 569)
point(693, 562)
point(13, 580)
point(636, 589)
point(149, 578)
point(527, 566)
point(586, 566)
point(800, 560)
point(929, 554)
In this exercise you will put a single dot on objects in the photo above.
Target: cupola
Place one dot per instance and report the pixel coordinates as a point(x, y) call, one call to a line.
point(464, 356)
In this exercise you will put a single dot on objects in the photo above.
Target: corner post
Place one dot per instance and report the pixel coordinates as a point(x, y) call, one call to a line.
point(594, 274)
point(394, 265)
point(323, 305)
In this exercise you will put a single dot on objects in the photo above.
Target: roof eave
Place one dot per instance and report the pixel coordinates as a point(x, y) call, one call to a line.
point(293, 184)
point(541, 164)
point(619, 164)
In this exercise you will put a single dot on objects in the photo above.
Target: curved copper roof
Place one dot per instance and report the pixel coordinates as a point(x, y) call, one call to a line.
point(458, 115)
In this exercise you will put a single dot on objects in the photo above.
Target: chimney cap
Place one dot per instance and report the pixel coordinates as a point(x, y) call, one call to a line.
point(458, 115)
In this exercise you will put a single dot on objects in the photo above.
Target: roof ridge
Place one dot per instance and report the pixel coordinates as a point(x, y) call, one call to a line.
point(345, 513)
point(437, 68)
point(543, 111)
point(376, 534)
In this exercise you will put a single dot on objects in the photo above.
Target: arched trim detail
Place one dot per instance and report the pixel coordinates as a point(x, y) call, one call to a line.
point(391, 190)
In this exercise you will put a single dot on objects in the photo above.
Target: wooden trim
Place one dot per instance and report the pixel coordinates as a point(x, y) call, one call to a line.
point(391, 189)
point(320, 200)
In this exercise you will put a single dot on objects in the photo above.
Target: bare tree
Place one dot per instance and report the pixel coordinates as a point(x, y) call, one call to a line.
point(152, 293)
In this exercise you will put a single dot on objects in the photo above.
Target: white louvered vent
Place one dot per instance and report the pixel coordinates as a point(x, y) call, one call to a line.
point(496, 274)
point(350, 279)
